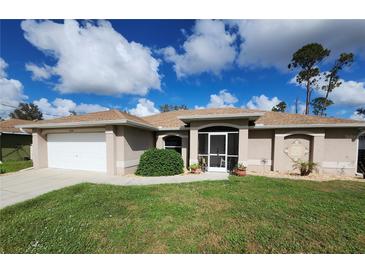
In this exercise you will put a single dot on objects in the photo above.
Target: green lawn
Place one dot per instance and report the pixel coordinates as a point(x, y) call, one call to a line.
point(240, 215)
point(12, 166)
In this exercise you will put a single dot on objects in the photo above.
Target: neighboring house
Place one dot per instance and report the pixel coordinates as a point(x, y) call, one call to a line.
point(113, 141)
point(14, 142)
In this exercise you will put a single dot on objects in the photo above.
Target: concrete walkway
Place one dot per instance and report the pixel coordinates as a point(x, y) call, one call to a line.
point(27, 184)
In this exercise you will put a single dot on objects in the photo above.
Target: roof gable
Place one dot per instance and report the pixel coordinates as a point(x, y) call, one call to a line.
point(8, 126)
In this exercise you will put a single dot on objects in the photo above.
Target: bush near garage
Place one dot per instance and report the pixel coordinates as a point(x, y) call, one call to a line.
point(160, 162)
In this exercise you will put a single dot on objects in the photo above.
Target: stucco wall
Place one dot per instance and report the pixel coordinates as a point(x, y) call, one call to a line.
point(340, 151)
point(228, 122)
point(260, 150)
point(39, 150)
point(136, 141)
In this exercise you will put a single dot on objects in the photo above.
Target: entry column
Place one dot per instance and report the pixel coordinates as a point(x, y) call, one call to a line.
point(318, 150)
point(39, 149)
point(278, 152)
point(193, 158)
point(110, 150)
point(243, 146)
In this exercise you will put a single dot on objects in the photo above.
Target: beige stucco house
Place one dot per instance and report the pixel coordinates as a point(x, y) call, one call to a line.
point(113, 141)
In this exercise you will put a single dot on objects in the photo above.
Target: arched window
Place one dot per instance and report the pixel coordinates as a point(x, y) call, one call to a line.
point(173, 142)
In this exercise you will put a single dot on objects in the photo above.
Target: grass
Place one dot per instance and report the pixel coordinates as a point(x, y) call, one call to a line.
point(12, 166)
point(240, 215)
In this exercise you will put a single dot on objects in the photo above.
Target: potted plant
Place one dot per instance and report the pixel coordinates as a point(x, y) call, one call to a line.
point(305, 168)
point(195, 168)
point(240, 170)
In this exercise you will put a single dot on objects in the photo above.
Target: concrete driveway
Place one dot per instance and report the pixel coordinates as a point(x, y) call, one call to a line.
point(23, 185)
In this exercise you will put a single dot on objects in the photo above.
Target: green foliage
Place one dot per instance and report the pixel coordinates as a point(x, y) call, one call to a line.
point(12, 166)
point(194, 166)
point(320, 105)
point(241, 166)
point(332, 79)
point(307, 59)
point(27, 112)
point(281, 107)
point(160, 162)
point(360, 111)
point(167, 107)
point(305, 168)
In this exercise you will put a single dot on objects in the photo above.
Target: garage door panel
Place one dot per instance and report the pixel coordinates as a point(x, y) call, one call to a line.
point(83, 151)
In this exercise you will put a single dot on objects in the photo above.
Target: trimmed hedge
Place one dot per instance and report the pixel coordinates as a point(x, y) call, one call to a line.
point(160, 162)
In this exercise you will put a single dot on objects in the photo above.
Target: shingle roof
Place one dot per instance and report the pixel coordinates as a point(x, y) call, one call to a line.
point(280, 118)
point(9, 125)
point(269, 118)
point(107, 115)
point(170, 119)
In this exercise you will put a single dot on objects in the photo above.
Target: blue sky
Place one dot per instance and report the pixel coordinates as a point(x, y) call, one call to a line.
point(137, 65)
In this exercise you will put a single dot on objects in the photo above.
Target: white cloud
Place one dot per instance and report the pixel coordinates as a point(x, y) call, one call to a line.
point(144, 107)
point(63, 107)
point(223, 99)
point(92, 58)
point(262, 102)
point(39, 73)
point(3, 66)
point(301, 108)
point(208, 49)
point(356, 116)
point(11, 92)
point(349, 93)
point(271, 43)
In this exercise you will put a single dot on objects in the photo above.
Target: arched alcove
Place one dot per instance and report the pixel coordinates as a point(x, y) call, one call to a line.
point(173, 142)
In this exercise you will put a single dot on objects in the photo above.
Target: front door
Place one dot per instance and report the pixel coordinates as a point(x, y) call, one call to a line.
point(217, 152)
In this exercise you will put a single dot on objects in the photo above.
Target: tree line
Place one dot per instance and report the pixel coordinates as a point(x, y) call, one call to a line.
point(307, 62)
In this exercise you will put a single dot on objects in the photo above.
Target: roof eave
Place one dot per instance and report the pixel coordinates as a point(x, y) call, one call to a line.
point(251, 116)
point(89, 124)
point(339, 125)
point(16, 133)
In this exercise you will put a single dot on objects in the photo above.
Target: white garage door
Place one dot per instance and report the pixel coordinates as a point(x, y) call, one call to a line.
point(83, 151)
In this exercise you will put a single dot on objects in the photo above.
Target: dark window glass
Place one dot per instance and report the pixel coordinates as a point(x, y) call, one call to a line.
point(218, 129)
point(232, 163)
point(232, 144)
point(203, 144)
point(174, 141)
point(217, 161)
point(177, 149)
point(217, 144)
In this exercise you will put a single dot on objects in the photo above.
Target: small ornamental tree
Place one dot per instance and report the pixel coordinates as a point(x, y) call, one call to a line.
point(27, 112)
point(332, 79)
point(307, 60)
point(160, 162)
point(281, 107)
point(320, 105)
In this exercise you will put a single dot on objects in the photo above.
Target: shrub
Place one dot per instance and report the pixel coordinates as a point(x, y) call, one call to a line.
point(194, 166)
point(305, 168)
point(160, 162)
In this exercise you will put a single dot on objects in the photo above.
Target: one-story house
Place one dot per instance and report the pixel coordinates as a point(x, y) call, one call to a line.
point(113, 141)
point(15, 142)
